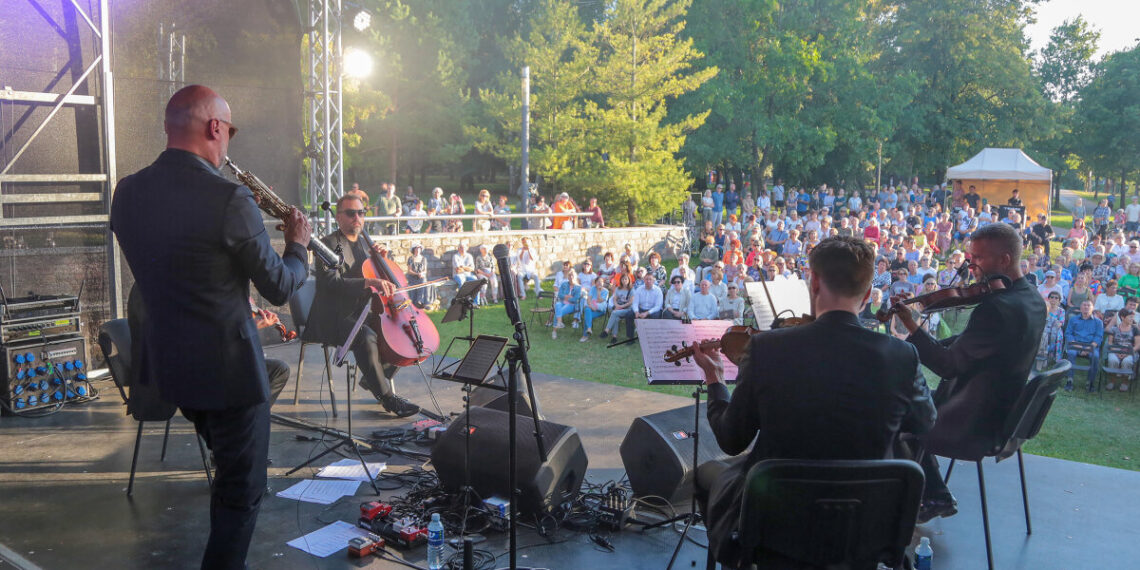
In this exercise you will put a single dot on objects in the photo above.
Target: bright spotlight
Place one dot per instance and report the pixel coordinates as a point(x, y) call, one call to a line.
point(362, 20)
point(357, 63)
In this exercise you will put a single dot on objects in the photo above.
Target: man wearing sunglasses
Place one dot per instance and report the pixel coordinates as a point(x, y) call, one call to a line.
point(194, 240)
point(340, 296)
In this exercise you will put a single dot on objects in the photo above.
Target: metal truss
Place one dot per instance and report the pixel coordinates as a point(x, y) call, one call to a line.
point(173, 70)
point(99, 67)
point(325, 148)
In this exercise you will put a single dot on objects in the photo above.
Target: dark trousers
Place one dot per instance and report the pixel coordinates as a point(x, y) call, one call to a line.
point(374, 374)
point(239, 439)
point(278, 372)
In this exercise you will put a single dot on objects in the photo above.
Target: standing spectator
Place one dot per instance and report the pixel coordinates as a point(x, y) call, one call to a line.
point(416, 272)
point(528, 262)
point(1015, 198)
point(389, 205)
point(437, 206)
point(1087, 329)
point(1079, 212)
point(483, 206)
point(778, 193)
point(540, 207)
point(596, 220)
point(563, 205)
point(462, 265)
point(1100, 218)
point(409, 197)
point(688, 211)
point(456, 208)
point(415, 222)
point(503, 209)
point(707, 205)
point(718, 204)
point(731, 199)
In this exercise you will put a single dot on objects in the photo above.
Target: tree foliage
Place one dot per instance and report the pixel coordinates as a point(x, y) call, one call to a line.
point(1108, 116)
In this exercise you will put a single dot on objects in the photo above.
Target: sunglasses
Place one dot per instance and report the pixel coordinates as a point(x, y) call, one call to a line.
point(233, 129)
point(352, 213)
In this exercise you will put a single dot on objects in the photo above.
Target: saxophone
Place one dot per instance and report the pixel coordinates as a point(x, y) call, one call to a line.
point(271, 204)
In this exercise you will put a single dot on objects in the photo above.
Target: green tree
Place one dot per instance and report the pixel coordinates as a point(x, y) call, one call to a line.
point(976, 90)
point(644, 64)
point(1064, 66)
point(1108, 117)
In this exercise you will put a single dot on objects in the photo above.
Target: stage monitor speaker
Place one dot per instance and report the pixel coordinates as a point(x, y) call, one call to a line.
point(498, 400)
point(542, 486)
point(658, 453)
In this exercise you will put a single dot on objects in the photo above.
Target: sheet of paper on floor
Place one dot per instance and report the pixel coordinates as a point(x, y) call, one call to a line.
point(328, 540)
point(351, 469)
point(320, 492)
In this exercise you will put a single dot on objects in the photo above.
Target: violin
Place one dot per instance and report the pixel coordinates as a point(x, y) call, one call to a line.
point(407, 336)
point(733, 344)
point(949, 297)
point(255, 311)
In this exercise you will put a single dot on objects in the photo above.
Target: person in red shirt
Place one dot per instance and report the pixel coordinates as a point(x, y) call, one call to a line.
point(871, 232)
point(596, 220)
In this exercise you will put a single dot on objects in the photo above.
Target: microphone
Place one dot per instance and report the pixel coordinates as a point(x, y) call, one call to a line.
point(510, 301)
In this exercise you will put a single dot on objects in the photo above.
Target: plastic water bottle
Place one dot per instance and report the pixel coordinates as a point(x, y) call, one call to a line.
point(435, 543)
point(923, 554)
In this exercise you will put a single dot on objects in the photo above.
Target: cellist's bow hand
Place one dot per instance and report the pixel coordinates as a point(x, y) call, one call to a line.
point(381, 286)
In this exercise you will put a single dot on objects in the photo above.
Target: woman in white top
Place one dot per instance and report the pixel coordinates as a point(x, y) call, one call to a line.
point(528, 268)
point(683, 269)
point(484, 206)
point(717, 286)
point(609, 266)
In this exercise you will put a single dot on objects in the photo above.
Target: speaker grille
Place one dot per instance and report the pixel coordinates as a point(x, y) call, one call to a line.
point(657, 453)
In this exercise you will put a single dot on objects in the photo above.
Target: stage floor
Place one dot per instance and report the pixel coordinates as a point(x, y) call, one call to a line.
point(63, 502)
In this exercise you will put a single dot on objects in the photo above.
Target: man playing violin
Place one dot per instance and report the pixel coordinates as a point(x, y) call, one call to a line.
point(341, 294)
point(985, 366)
point(829, 389)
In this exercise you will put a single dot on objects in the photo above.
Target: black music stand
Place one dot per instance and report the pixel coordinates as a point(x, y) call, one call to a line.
point(346, 439)
point(462, 307)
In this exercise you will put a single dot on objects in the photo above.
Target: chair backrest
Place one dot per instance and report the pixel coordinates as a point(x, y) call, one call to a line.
point(115, 342)
point(301, 303)
point(1028, 413)
point(857, 513)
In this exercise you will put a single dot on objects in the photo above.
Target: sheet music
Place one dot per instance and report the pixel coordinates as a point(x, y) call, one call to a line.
point(320, 492)
point(656, 336)
point(328, 540)
point(480, 359)
point(351, 469)
point(787, 294)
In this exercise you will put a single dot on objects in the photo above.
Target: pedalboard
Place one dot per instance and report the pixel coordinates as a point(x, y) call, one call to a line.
point(44, 374)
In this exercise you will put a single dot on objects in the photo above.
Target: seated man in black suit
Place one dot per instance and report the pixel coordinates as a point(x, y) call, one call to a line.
point(341, 294)
point(986, 366)
point(830, 389)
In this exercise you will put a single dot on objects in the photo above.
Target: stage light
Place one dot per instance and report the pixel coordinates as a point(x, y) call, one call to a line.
point(357, 63)
point(362, 20)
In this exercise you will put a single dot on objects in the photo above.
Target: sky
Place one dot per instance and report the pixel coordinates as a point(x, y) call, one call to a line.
point(1116, 19)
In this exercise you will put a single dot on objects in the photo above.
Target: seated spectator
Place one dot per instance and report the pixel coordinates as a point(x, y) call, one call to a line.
point(732, 306)
point(1087, 329)
point(882, 277)
point(874, 303)
point(709, 255)
point(569, 302)
point(677, 300)
point(704, 305)
point(1108, 301)
point(1080, 291)
point(1050, 284)
point(1131, 280)
point(684, 271)
point(655, 268)
point(609, 267)
point(901, 287)
point(1052, 339)
point(462, 265)
point(564, 273)
point(587, 276)
point(594, 305)
point(634, 257)
point(528, 263)
point(717, 285)
point(622, 304)
point(485, 269)
point(1122, 342)
point(1078, 234)
point(624, 268)
point(776, 238)
point(416, 272)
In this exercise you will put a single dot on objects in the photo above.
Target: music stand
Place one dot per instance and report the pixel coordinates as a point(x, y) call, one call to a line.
point(347, 439)
point(462, 307)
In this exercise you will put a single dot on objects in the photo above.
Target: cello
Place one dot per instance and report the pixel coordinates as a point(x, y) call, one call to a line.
point(407, 336)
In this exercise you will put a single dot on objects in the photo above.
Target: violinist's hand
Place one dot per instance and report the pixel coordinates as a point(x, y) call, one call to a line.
point(385, 288)
point(266, 319)
point(907, 319)
point(710, 363)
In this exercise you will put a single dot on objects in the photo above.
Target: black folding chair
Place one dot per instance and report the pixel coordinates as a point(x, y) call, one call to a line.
point(142, 401)
point(849, 514)
point(1022, 424)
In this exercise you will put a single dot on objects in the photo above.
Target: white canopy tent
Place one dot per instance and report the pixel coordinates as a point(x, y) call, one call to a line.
point(996, 172)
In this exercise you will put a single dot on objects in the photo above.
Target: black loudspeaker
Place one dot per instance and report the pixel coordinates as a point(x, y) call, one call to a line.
point(498, 400)
point(542, 486)
point(658, 453)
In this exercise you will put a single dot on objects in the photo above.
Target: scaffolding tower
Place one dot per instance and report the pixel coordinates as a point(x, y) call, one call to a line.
point(325, 144)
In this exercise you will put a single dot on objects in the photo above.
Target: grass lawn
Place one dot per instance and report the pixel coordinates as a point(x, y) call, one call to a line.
point(1081, 427)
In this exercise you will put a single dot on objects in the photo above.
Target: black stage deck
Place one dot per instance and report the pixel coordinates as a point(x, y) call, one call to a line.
point(63, 501)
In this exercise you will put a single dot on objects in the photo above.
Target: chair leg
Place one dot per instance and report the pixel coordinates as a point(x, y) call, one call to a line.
point(949, 470)
point(1024, 492)
point(165, 438)
point(300, 370)
point(205, 461)
point(328, 375)
point(985, 515)
point(135, 461)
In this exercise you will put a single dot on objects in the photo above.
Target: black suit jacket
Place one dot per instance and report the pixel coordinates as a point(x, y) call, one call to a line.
point(830, 389)
point(340, 293)
point(986, 367)
point(194, 240)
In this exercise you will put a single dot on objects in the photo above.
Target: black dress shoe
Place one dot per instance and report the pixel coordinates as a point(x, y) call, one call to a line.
point(399, 407)
point(934, 508)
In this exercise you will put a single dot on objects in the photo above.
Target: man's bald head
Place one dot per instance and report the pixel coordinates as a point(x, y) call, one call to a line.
point(198, 120)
